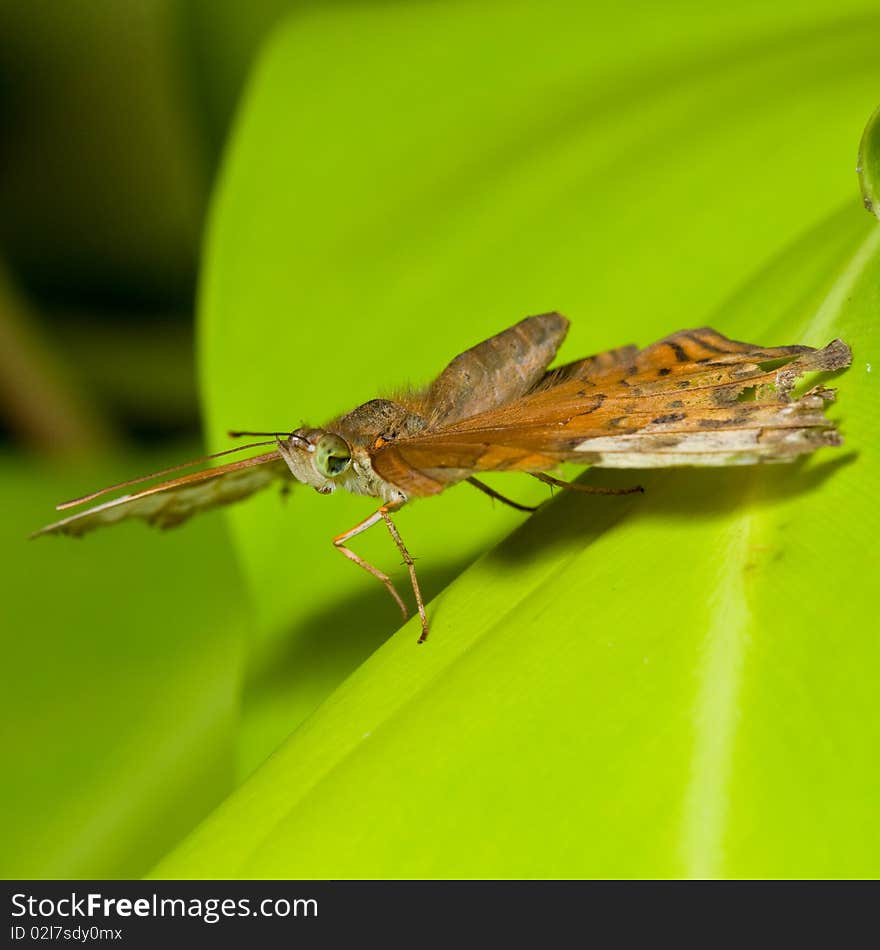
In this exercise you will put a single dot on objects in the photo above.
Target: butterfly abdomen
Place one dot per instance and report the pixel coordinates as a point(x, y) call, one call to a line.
point(497, 371)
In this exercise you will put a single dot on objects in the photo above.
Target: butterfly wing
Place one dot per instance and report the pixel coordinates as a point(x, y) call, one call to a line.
point(172, 502)
point(692, 398)
point(591, 367)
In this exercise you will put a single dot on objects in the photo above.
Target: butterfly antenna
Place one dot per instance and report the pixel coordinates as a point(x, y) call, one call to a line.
point(159, 474)
point(235, 434)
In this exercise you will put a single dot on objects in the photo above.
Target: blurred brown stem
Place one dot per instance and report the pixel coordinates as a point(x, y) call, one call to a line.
point(38, 400)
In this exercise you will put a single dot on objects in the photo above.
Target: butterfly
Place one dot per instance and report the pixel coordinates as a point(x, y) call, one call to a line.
point(692, 398)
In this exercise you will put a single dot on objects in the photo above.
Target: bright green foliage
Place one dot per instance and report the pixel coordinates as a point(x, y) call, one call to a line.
point(678, 683)
point(118, 682)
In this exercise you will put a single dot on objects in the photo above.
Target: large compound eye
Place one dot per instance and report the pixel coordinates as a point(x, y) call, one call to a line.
point(332, 455)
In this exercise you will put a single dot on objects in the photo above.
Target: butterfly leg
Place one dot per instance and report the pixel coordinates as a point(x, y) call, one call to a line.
point(339, 544)
point(411, 567)
point(590, 489)
point(486, 490)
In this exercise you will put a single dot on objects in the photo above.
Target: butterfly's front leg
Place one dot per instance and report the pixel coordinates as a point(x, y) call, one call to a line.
point(339, 544)
point(383, 515)
point(411, 567)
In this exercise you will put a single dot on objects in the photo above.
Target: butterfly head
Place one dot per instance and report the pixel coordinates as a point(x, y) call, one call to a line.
point(316, 457)
point(328, 461)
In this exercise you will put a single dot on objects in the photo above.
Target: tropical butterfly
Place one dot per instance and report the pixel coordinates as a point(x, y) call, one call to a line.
point(693, 398)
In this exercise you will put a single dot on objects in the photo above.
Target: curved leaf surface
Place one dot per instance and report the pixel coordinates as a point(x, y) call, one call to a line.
point(621, 687)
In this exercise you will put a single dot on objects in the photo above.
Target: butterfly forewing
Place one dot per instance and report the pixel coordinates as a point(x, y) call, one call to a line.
point(171, 502)
point(694, 398)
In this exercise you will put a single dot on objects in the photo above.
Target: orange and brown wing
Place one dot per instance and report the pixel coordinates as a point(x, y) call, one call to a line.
point(618, 360)
point(172, 502)
point(693, 398)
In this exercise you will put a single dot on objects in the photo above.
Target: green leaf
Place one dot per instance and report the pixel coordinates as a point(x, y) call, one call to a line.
point(118, 685)
point(668, 685)
point(672, 685)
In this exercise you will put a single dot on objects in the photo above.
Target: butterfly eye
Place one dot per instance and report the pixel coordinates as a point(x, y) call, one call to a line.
point(332, 455)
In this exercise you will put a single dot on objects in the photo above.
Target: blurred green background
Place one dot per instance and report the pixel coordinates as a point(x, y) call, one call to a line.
point(347, 195)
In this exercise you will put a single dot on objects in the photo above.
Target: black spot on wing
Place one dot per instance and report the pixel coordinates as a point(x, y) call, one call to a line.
point(669, 417)
point(678, 350)
point(598, 398)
